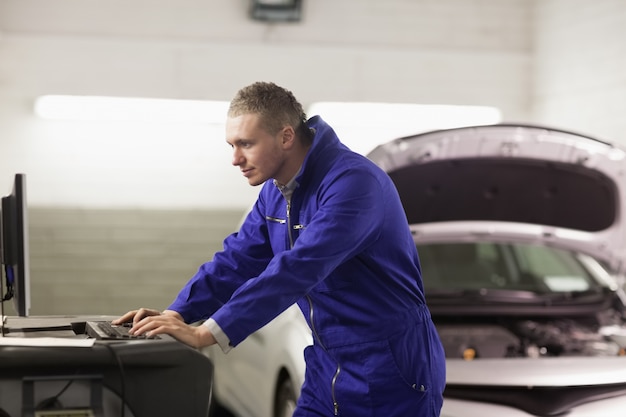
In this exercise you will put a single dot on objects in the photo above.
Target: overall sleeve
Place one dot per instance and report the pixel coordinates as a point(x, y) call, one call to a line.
point(351, 209)
point(245, 254)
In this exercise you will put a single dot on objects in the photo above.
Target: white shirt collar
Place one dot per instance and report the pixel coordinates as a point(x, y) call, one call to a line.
point(288, 189)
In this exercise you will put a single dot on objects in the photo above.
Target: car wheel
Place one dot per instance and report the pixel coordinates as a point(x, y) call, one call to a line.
point(285, 399)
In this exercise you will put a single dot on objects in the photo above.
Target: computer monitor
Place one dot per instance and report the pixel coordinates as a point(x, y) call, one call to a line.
point(14, 241)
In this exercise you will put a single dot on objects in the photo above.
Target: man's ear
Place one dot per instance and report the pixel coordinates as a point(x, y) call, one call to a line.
point(288, 137)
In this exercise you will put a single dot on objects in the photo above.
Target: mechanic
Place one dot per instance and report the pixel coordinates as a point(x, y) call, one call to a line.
point(328, 231)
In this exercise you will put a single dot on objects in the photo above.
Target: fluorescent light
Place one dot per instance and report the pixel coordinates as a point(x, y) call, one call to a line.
point(364, 125)
point(361, 125)
point(130, 109)
point(415, 116)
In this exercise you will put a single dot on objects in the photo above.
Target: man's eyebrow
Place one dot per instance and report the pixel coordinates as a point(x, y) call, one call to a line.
point(238, 141)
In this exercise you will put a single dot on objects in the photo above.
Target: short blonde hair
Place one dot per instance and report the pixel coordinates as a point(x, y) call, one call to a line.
point(276, 106)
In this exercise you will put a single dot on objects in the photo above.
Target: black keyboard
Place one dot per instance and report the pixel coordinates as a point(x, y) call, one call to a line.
point(106, 330)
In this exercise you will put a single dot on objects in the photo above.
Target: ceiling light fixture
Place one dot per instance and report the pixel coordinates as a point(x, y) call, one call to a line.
point(276, 10)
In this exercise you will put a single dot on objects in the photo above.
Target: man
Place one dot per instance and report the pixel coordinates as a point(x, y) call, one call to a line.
point(327, 231)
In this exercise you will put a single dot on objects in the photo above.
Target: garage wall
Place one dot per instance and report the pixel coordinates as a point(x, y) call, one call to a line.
point(109, 261)
point(579, 61)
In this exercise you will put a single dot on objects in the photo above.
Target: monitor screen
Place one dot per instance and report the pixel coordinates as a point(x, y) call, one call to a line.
point(15, 256)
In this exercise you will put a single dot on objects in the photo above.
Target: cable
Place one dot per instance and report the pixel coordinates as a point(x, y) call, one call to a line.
point(120, 366)
point(52, 402)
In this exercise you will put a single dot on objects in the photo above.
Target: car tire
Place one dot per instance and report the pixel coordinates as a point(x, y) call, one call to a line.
point(285, 399)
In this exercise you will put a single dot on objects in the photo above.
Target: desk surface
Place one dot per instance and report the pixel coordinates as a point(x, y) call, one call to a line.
point(144, 352)
point(154, 376)
point(46, 326)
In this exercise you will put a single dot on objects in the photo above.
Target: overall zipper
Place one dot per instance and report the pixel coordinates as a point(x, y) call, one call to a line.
point(338, 370)
point(313, 328)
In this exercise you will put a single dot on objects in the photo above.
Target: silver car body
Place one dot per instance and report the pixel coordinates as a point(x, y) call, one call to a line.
point(501, 184)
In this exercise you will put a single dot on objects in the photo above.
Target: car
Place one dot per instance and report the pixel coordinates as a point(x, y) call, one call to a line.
point(262, 375)
point(522, 243)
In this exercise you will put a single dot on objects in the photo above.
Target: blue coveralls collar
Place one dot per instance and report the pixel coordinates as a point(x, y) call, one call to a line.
point(324, 138)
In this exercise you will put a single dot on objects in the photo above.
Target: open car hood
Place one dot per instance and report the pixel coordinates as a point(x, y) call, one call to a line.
point(512, 182)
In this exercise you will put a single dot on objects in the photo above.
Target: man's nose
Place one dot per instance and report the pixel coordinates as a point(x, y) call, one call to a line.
point(237, 157)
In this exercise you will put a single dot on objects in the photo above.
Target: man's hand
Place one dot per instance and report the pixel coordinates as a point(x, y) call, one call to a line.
point(135, 316)
point(152, 322)
point(172, 324)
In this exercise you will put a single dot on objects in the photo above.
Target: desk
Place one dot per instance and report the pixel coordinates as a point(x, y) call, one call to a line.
point(151, 377)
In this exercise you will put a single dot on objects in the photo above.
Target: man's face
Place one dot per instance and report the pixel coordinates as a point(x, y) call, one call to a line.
point(258, 154)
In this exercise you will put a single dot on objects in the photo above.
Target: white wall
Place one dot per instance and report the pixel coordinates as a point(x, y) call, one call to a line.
point(431, 52)
point(579, 76)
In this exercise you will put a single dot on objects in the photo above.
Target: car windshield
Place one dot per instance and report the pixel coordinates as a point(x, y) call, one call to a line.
point(519, 267)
